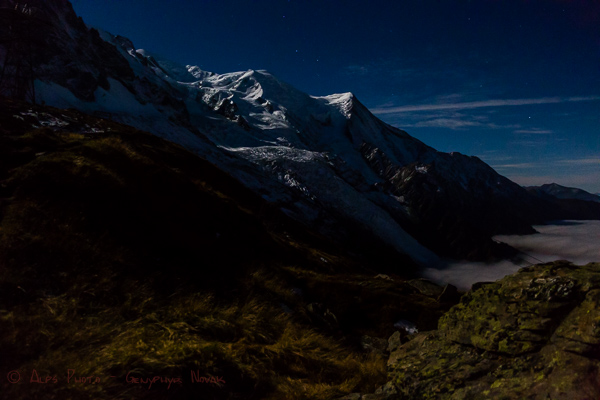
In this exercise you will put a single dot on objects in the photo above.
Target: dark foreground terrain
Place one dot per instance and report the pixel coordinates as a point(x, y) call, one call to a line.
point(130, 268)
point(532, 335)
point(124, 257)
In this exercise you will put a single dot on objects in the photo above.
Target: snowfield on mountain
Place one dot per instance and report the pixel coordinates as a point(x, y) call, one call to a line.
point(326, 161)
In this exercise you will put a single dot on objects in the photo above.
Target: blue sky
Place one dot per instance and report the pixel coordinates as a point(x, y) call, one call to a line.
point(514, 82)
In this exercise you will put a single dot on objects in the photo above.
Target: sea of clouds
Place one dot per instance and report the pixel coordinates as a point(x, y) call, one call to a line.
point(575, 241)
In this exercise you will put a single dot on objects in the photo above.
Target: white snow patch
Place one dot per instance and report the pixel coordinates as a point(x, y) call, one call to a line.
point(275, 153)
point(342, 101)
point(422, 169)
point(119, 100)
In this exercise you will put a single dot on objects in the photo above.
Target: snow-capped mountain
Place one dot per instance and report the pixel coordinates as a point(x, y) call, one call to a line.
point(326, 161)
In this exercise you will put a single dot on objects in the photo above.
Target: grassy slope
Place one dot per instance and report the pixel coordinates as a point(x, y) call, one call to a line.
point(121, 252)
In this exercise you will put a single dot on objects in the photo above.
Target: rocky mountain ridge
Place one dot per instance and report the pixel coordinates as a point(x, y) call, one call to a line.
point(563, 192)
point(326, 161)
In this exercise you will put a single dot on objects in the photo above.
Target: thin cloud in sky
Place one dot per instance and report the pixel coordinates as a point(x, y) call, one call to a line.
point(529, 143)
point(520, 165)
point(450, 119)
point(581, 161)
point(490, 157)
point(452, 123)
point(534, 131)
point(582, 173)
point(480, 104)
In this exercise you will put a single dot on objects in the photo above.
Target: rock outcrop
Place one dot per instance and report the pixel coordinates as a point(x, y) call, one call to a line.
point(531, 335)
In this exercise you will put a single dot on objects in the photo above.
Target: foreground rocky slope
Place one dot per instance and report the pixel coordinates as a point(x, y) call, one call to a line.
point(532, 335)
point(124, 257)
point(121, 252)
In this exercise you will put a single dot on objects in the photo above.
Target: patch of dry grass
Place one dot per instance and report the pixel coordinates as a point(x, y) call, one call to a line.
point(256, 347)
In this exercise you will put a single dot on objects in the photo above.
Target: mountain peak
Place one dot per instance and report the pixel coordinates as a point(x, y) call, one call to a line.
point(328, 161)
point(342, 101)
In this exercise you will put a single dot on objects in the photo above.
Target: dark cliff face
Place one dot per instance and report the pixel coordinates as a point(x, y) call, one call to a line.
point(58, 47)
point(456, 203)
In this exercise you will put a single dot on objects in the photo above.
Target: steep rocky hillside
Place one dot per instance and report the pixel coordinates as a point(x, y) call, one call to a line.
point(326, 161)
point(124, 257)
point(533, 335)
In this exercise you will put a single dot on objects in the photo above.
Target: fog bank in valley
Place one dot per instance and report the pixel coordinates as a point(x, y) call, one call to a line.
point(576, 241)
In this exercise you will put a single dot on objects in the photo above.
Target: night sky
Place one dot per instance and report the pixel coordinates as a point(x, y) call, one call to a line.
point(516, 83)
